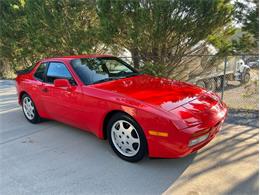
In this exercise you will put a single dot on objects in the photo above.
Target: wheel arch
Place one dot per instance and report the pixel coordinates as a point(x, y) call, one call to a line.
point(21, 95)
point(247, 69)
point(108, 116)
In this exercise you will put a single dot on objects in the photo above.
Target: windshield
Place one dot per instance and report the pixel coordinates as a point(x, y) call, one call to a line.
point(97, 70)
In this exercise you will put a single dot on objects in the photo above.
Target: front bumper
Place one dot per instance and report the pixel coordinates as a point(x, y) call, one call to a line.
point(177, 143)
point(175, 149)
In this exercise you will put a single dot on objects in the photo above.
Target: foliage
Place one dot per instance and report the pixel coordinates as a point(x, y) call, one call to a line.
point(246, 15)
point(153, 69)
point(222, 40)
point(245, 44)
point(157, 33)
point(34, 29)
point(162, 32)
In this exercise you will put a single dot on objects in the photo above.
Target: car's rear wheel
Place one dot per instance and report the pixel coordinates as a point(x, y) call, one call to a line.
point(29, 109)
point(126, 138)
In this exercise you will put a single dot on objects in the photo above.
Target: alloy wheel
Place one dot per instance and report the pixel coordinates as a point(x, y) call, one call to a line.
point(125, 138)
point(28, 108)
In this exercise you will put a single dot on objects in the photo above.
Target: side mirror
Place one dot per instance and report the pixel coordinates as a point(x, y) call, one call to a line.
point(63, 83)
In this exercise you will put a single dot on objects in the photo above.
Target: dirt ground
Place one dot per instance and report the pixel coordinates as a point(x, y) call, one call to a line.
point(245, 96)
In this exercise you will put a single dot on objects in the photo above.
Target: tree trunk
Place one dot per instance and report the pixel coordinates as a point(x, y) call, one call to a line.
point(135, 57)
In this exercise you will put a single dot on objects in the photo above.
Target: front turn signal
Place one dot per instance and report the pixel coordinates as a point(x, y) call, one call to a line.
point(158, 133)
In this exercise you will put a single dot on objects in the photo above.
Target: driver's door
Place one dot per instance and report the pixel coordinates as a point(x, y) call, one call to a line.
point(62, 104)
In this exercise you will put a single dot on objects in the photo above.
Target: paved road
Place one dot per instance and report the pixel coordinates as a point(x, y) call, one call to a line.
point(53, 158)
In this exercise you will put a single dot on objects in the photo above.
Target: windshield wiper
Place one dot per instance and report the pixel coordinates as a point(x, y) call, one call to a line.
point(132, 74)
point(106, 79)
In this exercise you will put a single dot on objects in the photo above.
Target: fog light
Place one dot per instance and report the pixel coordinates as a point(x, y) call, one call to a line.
point(198, 140)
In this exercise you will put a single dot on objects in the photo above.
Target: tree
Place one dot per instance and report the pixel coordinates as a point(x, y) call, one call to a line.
point(162, 32)
point(158, 33)
point(34, 29)
point(246, 16)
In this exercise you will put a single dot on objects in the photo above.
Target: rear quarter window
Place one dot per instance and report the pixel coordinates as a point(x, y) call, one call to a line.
point(40, 72)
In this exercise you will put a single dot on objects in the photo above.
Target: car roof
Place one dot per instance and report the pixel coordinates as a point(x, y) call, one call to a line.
point(67, 58)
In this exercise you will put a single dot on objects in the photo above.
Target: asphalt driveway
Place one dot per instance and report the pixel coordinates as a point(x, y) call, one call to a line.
point(53, 158)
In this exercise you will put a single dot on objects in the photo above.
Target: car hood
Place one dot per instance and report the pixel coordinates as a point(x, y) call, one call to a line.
point(204, 111)
point(165, 93)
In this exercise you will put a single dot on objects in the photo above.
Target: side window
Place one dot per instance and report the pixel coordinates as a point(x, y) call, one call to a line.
point(39, 74)
point(57, 70)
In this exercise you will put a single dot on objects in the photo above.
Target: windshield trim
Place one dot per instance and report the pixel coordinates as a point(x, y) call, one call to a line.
point(135, 72)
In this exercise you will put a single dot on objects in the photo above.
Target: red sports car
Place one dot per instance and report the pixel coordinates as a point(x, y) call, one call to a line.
point(139, 114)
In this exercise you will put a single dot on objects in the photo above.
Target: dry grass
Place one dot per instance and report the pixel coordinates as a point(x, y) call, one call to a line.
point(246, 97)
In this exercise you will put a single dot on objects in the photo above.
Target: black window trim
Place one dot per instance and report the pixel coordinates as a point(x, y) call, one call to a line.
point(46, 70)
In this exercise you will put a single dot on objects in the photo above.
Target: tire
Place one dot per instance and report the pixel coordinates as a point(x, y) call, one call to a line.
point(246, 78)
point(226, 82)
point(211, 85)
point(219, 81)
point(128, 145)
point(29, 109)
point(201, 83)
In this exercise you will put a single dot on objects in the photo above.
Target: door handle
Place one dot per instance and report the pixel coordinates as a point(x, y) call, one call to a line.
point(45, 90)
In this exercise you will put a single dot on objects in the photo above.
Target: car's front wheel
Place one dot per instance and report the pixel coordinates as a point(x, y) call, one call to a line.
point(29, 109)
point(126, 138)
